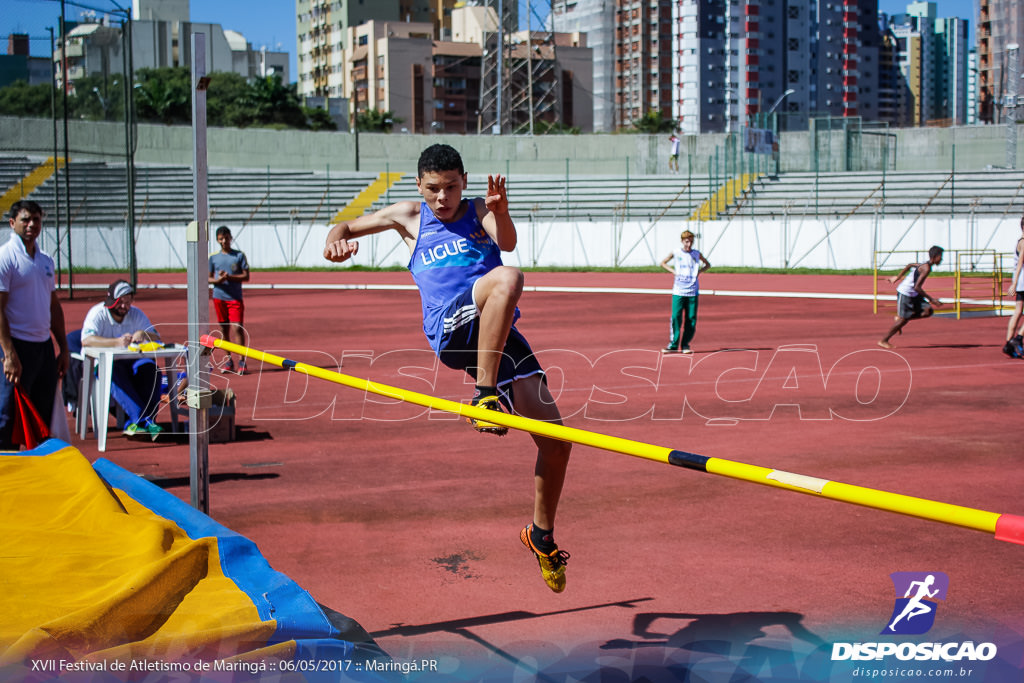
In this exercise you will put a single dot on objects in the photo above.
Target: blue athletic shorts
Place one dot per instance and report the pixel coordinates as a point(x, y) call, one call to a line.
point(458, 349)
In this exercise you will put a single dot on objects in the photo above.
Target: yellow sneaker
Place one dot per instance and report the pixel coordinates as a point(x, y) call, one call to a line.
point(552, 565)
point(488, 403)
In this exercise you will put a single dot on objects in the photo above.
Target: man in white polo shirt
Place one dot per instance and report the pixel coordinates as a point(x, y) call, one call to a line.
point(29, 313)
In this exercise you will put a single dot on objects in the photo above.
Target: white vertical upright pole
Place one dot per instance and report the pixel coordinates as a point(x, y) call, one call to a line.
point(197, 237)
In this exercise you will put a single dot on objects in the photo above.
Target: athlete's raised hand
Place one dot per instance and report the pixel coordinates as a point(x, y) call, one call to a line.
point(496, 200)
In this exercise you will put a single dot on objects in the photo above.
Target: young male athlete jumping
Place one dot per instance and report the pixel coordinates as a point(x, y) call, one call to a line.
point(469, 313)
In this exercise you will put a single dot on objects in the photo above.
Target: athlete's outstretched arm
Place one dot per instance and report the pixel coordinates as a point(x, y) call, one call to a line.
point(341, 242)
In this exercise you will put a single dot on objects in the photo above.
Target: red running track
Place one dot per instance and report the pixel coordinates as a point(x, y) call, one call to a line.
point(408, 522)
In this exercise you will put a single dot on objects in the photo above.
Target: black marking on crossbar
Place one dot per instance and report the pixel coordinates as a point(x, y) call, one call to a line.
point(689, 460)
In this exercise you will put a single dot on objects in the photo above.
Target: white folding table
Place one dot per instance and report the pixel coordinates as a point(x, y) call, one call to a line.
point(104, 357)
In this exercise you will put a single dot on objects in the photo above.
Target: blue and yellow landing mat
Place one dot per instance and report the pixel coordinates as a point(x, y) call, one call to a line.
point(106, 577)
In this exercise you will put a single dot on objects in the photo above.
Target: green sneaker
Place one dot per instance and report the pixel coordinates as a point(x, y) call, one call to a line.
point(154, 430)
point(552, 565)
point(488, 403)
point(132, 429)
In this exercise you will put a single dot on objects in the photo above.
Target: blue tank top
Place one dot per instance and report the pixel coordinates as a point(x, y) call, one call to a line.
point(447, 259)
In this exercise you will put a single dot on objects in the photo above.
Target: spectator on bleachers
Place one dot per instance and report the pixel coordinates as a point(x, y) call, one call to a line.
point(29, 314)
point(228, 270)
point(135, 383)
point(673, 156)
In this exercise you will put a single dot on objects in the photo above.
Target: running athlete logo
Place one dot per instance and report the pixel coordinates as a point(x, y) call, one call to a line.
point(914, 613)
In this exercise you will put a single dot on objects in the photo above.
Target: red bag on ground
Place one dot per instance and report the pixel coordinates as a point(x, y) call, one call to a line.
point(28, 429)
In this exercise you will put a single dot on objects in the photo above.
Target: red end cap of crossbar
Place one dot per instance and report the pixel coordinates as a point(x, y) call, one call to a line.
point(1010, 528)
point(208, 341)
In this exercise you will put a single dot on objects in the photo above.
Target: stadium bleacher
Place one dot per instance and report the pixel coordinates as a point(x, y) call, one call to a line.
point(163, 194)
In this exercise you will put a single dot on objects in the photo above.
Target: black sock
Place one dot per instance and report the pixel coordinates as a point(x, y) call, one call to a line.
point(485, 391)
point(542, 539)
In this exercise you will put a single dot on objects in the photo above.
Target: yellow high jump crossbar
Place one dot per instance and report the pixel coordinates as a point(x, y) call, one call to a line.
point(1005, 527)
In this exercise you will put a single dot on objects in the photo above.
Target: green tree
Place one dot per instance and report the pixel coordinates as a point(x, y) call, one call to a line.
point(97, 99)
point(318, 118)
point(652, 122)
point(164, 95)
point(376, 121)
point(224, 100)
point(271, 103)
point(21, 99)
point(557, 128)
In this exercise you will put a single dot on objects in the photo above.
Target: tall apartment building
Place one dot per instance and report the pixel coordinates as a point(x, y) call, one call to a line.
point(952, 55)
point(596, 19)
point(644, 78)
point(1000, 25)
point(911, 61)
point(972, 86)
point(933, 66)
point(434, 86)
point(321, 27)
point(844, 54)
point(735, 60)
point(891, 83)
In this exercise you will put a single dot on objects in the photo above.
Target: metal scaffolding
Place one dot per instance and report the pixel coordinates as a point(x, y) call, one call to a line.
point(519, 84)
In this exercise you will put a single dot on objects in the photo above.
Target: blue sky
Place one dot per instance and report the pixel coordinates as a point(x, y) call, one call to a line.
point(270, 23)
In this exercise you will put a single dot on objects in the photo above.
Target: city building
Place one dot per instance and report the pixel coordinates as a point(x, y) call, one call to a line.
point(643, 59)
point(972, 86)
point(595, 19)
point(322, 26)
point(801, 59)
point(933, 64)
point(397, 67)
point(160, 37)
point(432, 85)
point(1000, 27)
point(18, 65)
point(892, 89)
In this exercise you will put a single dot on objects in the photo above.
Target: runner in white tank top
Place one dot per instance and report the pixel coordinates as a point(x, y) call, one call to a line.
point(1014, 347)
point(912, 301)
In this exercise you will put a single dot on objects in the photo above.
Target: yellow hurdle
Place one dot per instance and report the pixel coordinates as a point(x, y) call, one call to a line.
point(1005, 527)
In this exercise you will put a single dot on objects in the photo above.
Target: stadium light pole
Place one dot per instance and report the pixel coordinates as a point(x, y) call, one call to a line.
point(779, 101)
point(776, 152)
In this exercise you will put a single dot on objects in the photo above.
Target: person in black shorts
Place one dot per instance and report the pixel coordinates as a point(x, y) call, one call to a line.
point(1014, 347)
point(912, 302)
point(470, 306)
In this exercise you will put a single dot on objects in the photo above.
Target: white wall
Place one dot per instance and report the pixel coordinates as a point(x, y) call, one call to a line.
point(797, 243)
